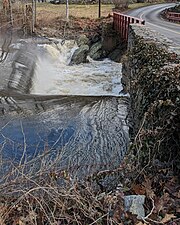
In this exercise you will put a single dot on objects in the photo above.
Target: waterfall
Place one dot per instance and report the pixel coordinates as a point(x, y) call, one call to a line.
point(54, 76)
point(73, 117)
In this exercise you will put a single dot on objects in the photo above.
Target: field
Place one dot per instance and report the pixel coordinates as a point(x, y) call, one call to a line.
point(81, 17)
point(48, 14)
point(79, 11)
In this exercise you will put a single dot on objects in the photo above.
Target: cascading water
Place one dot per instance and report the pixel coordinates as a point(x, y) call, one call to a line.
point(73, 116)
point(53, 76)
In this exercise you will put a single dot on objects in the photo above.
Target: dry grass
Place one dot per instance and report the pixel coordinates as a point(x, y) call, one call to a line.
point(79, 11)
point(51, 11)
point(34, 193)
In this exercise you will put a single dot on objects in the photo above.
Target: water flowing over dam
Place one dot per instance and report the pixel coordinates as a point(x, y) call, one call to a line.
point(57, 115)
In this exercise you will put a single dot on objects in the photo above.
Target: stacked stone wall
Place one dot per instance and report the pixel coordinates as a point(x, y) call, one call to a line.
point(151, 74)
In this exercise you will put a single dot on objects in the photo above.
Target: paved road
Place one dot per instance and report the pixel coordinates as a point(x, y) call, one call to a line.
point(151, 14)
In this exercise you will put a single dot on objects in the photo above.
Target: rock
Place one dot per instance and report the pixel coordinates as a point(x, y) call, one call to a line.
point(117, 54)
point(80, 55)
point(95, 38)
point(153, 70)
point(109, 43)
point(96, 50)
point(83, 40)
point(97, 55)
point(134, 204)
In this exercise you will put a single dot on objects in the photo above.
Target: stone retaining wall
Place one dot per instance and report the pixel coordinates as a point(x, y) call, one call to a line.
point(151, 74)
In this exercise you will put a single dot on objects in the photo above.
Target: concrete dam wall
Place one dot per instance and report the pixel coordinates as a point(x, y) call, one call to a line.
point(68, 117)
point(151, 74)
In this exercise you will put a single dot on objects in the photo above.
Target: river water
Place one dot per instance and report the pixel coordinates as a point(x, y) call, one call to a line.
point(59, 116)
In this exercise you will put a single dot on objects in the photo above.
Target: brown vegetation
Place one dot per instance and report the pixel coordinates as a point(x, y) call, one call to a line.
point(50, 196)
point(53, 197)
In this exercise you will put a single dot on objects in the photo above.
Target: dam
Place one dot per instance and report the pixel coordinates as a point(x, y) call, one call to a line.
point(56, 115)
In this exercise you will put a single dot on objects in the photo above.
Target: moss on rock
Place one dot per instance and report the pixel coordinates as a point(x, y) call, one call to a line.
point(152, 74)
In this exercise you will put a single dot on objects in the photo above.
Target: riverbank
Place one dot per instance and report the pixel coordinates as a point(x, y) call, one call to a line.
point(82, 18)
point(48, 195)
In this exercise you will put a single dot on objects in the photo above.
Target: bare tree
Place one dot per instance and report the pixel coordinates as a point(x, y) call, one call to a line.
point(33, 14)
point(67, 10)
point(10, 12)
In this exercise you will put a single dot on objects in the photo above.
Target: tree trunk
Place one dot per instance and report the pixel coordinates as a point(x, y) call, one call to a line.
point(67, 10)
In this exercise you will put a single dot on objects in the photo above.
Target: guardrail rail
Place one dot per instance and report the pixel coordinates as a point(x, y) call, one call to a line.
point(121, 23)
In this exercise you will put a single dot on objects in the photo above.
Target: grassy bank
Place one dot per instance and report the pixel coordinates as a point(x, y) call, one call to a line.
point(79, 11)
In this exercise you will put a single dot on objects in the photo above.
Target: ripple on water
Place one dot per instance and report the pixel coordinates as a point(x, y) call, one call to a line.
point(83, 129)
point(80, 133)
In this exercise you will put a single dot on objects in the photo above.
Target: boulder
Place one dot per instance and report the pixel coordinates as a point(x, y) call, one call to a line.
point(83, 40)
point(96, 51)
point(95, 38)
point(134, 204)
point(80, 55)
point(110, 42)
point(116, 55)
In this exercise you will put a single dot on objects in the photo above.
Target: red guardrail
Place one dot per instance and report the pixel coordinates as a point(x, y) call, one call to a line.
point(172, 16)
point(121, 23)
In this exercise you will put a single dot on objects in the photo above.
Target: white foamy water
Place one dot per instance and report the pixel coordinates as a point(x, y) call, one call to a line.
point(54, 76)
point(83, 134)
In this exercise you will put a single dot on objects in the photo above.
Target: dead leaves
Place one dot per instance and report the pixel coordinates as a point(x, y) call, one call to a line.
point(161, 203)
point(144, 189)
point(161, 190)
point(147, 184)
point(141, 223)
point(167, 218)
point(162, 197)
point(138, 189)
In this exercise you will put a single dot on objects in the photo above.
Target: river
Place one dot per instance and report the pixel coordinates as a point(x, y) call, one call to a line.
point(53, 115)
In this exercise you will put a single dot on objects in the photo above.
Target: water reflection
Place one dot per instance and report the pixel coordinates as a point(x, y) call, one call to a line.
point(83, 129)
